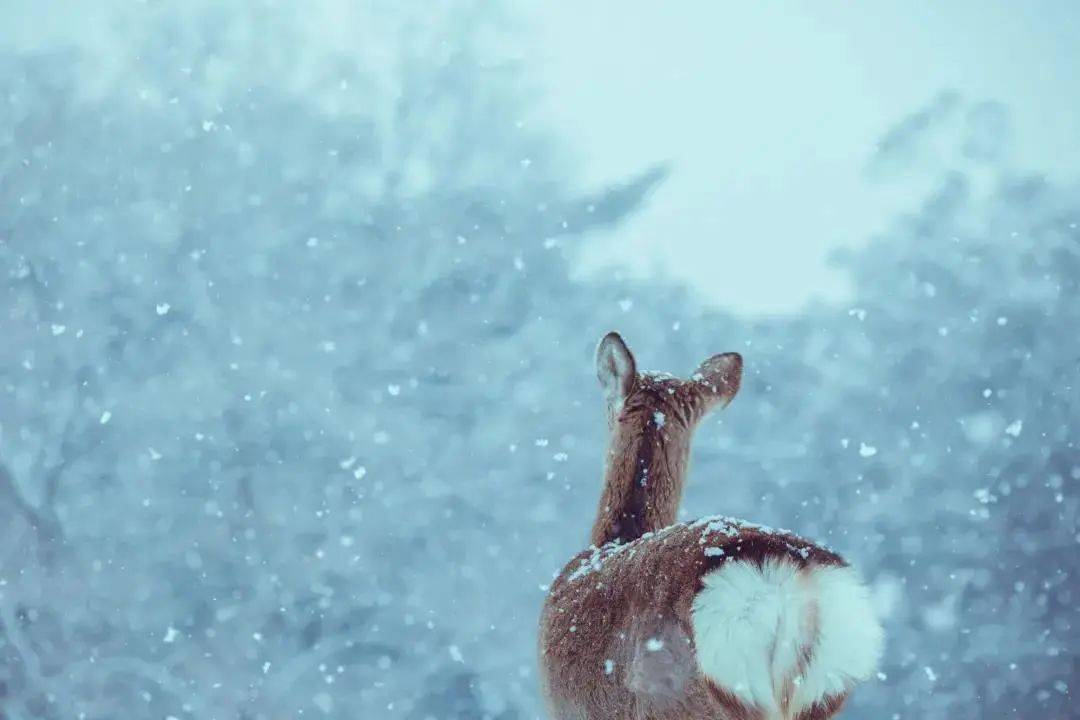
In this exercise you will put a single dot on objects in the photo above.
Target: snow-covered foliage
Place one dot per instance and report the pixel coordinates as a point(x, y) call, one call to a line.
point(298, 414)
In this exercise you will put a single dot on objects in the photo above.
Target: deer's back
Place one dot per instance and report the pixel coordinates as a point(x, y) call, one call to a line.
point(617, 630)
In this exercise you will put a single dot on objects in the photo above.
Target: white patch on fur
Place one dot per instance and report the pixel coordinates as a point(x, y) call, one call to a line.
point(751, 623)
point(850, 638)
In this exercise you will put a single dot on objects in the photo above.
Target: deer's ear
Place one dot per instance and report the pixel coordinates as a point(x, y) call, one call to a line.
point(717, 379)
point(615, 367)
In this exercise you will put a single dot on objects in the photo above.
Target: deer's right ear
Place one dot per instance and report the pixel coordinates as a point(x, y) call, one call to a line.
point(718, 379)
point(615, 368)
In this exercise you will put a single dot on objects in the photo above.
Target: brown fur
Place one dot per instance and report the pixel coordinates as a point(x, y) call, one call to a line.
point(608, 602)
point(638, 580)
point(646, 463)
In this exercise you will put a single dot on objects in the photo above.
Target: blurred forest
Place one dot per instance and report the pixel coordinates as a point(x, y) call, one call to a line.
point(298, 416)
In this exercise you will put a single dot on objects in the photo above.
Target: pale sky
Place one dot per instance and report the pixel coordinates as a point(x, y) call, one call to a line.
point(768, 112)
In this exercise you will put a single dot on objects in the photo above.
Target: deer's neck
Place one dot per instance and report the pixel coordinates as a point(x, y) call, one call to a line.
point(643, 482)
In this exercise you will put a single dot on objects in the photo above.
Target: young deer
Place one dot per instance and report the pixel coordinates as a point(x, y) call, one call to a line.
point(706, 620)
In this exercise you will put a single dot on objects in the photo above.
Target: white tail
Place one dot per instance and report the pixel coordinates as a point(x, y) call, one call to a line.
point(716, 618)
point(782, 638)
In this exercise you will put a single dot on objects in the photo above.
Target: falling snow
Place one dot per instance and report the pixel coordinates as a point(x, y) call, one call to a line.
point(297, 409)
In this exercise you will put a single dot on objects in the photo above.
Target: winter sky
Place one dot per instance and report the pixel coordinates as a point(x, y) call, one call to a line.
point(768, 113)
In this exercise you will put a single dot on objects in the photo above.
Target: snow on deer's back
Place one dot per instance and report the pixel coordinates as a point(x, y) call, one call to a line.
point(712, 619)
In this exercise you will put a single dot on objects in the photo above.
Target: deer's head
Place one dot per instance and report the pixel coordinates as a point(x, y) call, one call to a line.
point(652, 418)
point(634, 399)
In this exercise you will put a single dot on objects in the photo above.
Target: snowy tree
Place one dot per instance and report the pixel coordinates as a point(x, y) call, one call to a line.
point(256, 311)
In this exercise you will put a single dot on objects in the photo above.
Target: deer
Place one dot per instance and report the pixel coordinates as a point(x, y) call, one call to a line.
point(712, 619)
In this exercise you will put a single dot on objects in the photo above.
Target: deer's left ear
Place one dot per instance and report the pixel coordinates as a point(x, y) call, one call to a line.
point(717, 380)
point(615, 368)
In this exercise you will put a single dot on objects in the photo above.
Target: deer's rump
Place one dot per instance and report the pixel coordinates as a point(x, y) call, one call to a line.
point(710, 619)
